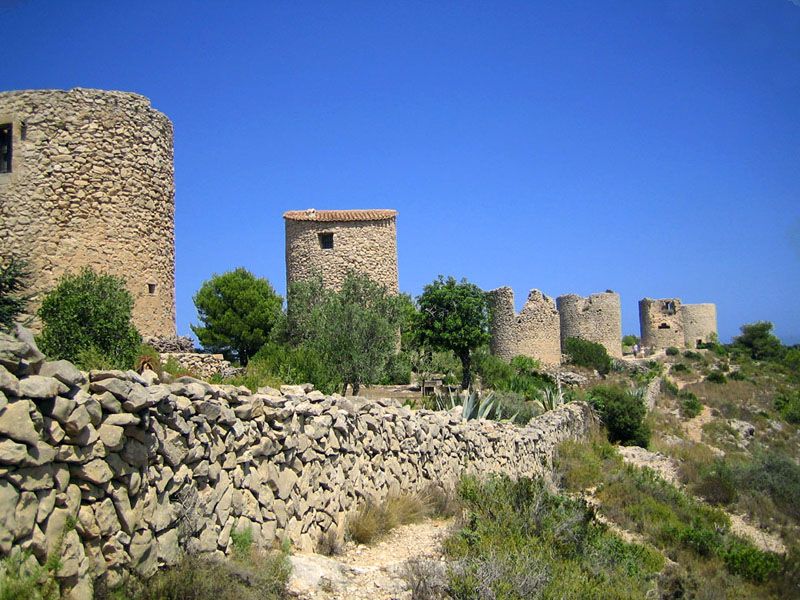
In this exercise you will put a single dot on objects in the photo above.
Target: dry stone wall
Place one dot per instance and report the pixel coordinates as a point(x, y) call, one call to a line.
point(149, 470)
point(91, 184)
point(534, 332)
point(597, 318)
point(202, 365)
point(364, 241)
point(699, 323)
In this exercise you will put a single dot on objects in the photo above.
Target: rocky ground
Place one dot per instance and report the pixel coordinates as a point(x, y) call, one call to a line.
point(376, 572)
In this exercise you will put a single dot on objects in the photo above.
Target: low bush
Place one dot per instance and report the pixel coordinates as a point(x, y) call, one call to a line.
point(587, 354)
point(787, 403)
point(519, 540)
point(23, 579)
point(777, 476)
point(397, 370)
point(717, 483)
point(622, 411)
point(692, 355)
point(672, 351)
point(14, 275)
point(690, 405)
point(514, 406)
point(88, 316)
point(716, 377)
point(742, 558)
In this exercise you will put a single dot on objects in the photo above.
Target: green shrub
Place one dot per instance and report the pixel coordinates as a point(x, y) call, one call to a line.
point(14, 274)
point(758, 342)
point(692, 355)
point(88, 316)
point(587, 354)
point(242, 542)
point(742, 558)
point(690, 405)
point(18, 581)
point(718, 483)
point(787, 403)
point(777, 476)
point(622, 411)
point(672, 351)
point(374, 519)
point(716, 377)
point(397, 370)
point(514, 406)
point(630, 340)
point(680, 368)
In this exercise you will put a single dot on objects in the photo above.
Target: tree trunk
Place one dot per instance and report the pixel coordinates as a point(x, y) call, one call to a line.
point(466, 374)
point(344, 389)
point(356, 388)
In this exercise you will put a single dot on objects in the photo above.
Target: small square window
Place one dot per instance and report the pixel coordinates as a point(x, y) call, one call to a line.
point(151, 288)
point(326, 241)
point(5, 147)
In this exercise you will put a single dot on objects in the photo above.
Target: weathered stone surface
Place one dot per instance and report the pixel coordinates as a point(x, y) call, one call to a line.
point(8, 383)
point(38, 387)
point(96, 471)
point(12, 453)
point(64, 371)
point(78, 420)
point(112, 436)
point(8, 520)
point(16, 423)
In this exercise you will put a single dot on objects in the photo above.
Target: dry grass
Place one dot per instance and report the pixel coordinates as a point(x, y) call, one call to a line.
point(375, 519)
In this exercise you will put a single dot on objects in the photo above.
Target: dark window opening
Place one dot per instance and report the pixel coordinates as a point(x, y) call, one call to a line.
point(326, 241)
point(151, 288)
point(663, 326)
point(699, 343)
point(669, 307)
point(5, 148)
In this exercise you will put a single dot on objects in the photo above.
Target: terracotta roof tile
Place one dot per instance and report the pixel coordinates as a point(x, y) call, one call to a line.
point(311, 214)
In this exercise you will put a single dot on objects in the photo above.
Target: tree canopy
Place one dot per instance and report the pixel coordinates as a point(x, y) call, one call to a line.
point(759, 342)
point(454, 316)
point(237, 311)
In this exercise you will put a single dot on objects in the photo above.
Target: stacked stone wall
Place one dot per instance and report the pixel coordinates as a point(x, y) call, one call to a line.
point(699, 323)
point(534, 332)
point(661, 323)
point(201, 364)
point(92, 185)
point(149, 470)
point(366, 246)
point(597, 318)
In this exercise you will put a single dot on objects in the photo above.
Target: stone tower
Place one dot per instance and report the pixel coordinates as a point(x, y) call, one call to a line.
point(329, 243)
point(86, 179)
point(597, 318)
point(699, 323)
point(661, 323)
point(534, 332)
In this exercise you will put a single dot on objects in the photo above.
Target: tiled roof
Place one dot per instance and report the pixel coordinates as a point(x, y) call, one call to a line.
point(377, 214)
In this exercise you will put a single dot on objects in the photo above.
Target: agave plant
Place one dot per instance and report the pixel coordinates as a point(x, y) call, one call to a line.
point(473, 404)
point(550, 397)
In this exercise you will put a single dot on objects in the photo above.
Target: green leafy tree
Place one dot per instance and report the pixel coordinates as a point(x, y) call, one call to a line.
point(759, 342)
point(237, 311)
point(14, 273)
point(454, 316)
point(89, 315)
point(355, 330)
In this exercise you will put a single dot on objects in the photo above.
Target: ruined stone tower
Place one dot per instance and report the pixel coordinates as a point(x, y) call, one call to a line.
point(329, 243)
point(534, 332)
point(699, 323)
point(597, 318)
point(86, 179)
point(661, 323)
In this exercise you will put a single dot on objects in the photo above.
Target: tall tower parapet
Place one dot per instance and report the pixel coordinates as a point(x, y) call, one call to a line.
point(699, 323)
point(596, 318)
point(329, 243)
point(86, 179)
point(534, 332)
point(661, 323)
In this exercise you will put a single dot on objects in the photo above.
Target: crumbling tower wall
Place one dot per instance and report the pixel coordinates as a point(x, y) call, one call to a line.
point(661, 323)
point(534, 332)
point(597, 318)
point(86, 179)
point(699, 323)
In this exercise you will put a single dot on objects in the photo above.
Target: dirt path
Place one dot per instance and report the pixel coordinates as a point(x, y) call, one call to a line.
point(694, 427)
point(367, 572)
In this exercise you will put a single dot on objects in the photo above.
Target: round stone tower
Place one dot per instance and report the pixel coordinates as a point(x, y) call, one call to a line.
point(661, 323)
point(86, 179)
point(329, 243)
point(597, 318)
point(699, 323)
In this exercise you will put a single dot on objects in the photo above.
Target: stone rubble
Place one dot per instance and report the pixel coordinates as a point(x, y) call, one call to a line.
point(117, 471)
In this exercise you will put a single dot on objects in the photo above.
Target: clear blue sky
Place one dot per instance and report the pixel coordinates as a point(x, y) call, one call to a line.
point(648, 147)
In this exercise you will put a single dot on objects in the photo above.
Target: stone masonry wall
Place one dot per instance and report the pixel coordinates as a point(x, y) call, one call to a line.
point(597, 318)
point(661, 323)
point(92, 185)
point(149, 470)
point(367, 246)
point(534, 332)
point(201, 364)
point(699, 323)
